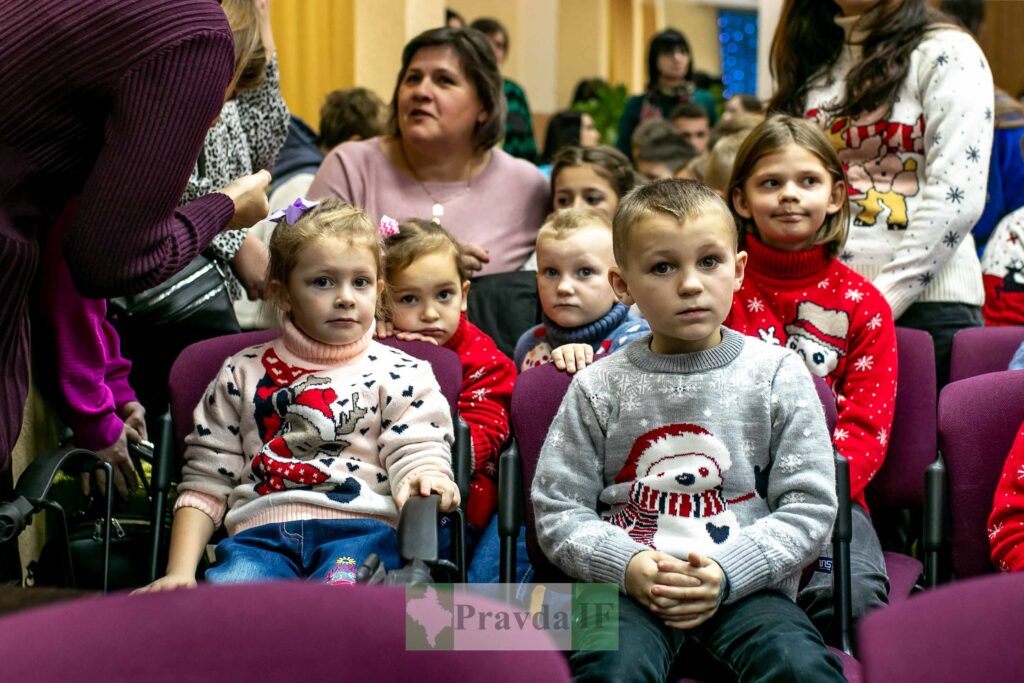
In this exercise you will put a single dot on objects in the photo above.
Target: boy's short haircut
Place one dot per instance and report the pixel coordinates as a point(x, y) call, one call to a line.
point(681, 199)
point(562, 223)
point(741, 123)
point(651, 129)
point(689, 110)
point(718, 169)
point(673, 150)
point(346, 113)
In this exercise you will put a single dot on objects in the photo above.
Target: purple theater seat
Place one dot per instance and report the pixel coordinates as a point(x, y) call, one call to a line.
point(281, 631)
point(980, 350)
point(979, 418)
point(965, 631)
point(912, 448)
point(198, 364)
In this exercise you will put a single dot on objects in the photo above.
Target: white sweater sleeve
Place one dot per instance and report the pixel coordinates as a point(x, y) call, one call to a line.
point(956, 93)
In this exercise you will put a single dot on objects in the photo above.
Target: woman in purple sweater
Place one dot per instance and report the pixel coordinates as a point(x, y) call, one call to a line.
point(108, 103)
point(440, 158)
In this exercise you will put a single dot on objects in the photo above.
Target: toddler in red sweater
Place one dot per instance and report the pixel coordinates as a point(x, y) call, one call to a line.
point(788, 192)
point(427, 290)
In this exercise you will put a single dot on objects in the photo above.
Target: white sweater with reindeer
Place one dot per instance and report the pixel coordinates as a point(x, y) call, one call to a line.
point(294, 429)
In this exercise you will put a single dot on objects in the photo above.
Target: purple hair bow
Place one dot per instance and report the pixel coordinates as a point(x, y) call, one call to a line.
point(293, 212)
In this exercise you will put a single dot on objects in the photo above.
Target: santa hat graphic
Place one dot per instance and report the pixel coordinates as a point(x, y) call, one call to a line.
point(824, 325)
point(672, 441)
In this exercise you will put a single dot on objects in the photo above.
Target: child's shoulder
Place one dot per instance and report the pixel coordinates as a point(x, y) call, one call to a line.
point(386, 358)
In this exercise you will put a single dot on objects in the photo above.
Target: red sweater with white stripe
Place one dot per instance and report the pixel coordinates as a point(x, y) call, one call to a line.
point(488, 376)
point(1006, 523)
point(842, 327)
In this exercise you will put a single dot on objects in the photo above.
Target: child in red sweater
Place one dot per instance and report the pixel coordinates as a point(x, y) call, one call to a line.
point(1006, 523)
point(788, 192)
point(428, 288)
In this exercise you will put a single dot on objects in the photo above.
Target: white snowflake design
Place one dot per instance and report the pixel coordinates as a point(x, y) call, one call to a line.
point(883, 436)
point(480, 394)
point(854, 294)
point(994, 530)
point(478, 374)
point(875, 322)
point(793, 498)
point(755, 305)
point(823, 284)
point(840, 434)
point(790, 463)
point(1020, 472)
point(864, 363)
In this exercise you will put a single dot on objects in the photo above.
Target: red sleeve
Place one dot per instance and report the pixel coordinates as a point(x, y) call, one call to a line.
point(484, 404)
point(128, 233)
point(866, 391)
point(1006, 523)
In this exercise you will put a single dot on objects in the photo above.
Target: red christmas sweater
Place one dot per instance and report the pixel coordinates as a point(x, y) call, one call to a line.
point(488, 376)
point(842, 327)
point(1006, 523)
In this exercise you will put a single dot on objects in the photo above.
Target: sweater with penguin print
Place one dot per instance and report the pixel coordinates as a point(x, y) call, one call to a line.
point(295, 429)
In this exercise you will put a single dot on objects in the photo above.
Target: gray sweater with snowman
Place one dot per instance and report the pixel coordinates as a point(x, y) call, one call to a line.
point(724, 451)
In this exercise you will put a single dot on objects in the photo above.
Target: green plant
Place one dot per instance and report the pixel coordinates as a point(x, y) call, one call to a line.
point(606, 109)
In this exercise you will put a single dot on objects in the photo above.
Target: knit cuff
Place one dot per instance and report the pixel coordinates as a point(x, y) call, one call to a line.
point(213, 506)
point(98, 433)
point(610, 559)
point(746, 569)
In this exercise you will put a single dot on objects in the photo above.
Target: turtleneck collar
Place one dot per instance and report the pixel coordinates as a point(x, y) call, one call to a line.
point(784, 265)
point(305, 347)
point(720, 355)
point(592, 333)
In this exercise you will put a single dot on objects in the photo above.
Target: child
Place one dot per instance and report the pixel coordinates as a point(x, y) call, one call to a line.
point(596, 177)
point(720, 162)
point(355, 114)
point(581, 314)
point(427, 288)
point(693, 469)
point(1002, 268)
point(788, 192)
point(312, 442)
point(1006, 522)
point(691, 120)
point(906, 99)
point(664, 156)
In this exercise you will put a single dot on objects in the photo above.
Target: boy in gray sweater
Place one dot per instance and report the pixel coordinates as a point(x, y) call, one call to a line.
point(694, 469)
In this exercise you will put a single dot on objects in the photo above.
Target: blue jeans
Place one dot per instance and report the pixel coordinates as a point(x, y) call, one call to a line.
point(326, 550)
point(487, 557)
point(762, 637)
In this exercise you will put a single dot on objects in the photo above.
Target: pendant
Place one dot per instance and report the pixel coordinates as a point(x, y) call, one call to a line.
point(437, 211)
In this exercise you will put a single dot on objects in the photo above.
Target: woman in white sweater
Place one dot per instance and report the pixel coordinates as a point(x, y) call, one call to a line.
point(907, 99)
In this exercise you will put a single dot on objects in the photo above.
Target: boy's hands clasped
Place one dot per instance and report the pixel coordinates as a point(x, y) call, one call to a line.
point(682, 593)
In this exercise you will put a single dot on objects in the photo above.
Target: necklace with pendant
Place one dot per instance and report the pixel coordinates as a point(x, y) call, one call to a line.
point(437, 209)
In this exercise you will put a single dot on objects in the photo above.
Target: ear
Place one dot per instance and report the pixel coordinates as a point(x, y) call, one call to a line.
point(741, 267)
point(619, 286)
point(739, 201)
point(838, 197)
point(465, 294)
point(380, 286)
point(278, 294)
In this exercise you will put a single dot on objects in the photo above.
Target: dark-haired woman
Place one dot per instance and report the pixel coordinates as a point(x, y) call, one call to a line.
point(439, 160)
point(669, 84)
point(567, 129)
point(906, 97)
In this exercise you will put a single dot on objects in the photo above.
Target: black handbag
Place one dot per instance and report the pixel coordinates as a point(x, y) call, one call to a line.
point(194, 304)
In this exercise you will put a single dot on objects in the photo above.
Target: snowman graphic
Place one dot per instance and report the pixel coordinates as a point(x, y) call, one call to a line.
point(818, 335)
point(676, 503)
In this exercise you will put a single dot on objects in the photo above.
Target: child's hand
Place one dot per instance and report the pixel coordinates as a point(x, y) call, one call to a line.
point(427, 483)
point(678, 601)
point(384, 329)
point(387, 329)
point(168, 583)
point(474, 256)
point(572, 357)
point(643, 574)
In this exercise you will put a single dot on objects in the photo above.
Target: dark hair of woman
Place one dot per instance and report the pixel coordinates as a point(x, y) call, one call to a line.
point(481, 69)
point(809, 41)
point(586, 90)
point(563, 131)
point(662, 42)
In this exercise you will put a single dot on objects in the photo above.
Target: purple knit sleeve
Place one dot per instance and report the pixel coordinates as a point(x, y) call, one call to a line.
point(128, 234)
point(117, 367)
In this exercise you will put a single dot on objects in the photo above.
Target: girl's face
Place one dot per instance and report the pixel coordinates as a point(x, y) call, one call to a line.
point(589, 135)
point(577, 187)
point(673, 64)
point(332, 291)
point(853, 8)
point(788, 196)
point(436, 101)
point(428, 296)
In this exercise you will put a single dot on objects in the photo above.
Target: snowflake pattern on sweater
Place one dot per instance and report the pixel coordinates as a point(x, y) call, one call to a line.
point(918, 171)
point(484, 403)
point(1006, 523)
point(842, 328)
point(1003, 272)
point(279, 436)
